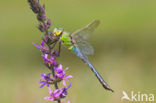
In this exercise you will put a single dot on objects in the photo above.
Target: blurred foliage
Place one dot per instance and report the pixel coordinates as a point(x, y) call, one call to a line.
point(125, 47)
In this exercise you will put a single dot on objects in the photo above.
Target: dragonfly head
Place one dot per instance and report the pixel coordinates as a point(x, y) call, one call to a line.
point(58, 31)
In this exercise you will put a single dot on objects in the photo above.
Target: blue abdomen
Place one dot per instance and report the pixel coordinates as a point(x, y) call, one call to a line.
point(76, 51)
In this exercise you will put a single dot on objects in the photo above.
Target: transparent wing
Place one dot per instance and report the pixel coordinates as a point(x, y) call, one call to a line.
point(85, 47)
point(81, 35)
point(86, 31)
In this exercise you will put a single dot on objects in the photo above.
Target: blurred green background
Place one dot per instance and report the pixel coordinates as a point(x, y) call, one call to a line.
point(125, 49)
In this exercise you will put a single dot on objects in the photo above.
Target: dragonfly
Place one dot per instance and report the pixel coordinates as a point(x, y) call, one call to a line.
point(77, 43)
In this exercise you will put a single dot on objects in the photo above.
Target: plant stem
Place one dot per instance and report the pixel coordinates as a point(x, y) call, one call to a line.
point(53, 73)
point(56, 86)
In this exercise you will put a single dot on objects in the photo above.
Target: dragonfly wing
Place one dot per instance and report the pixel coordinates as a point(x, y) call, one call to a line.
point(85, 47)
point(81, 54)
point(84, 33)
point(81, 35)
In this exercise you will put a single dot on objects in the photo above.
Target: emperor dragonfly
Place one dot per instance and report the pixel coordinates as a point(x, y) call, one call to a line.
point(77, 43)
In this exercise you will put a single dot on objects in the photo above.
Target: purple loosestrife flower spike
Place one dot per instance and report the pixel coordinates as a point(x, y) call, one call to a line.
point(60, 74)
point(49, 54)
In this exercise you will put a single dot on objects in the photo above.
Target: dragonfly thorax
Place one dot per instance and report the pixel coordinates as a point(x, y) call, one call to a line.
point(66, 39)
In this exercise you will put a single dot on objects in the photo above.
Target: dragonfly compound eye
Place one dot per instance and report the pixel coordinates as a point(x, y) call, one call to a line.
point(58, 31)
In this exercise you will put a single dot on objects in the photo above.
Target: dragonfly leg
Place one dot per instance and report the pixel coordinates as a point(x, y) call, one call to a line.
point(59, 48)
point(52, 46)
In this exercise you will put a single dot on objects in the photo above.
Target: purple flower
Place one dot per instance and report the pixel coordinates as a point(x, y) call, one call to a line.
point(48, 23)
point(51, 37)
point(41, 28)
point(60, 74)
point(45, 80)
point(48, 37)
point(34, 6)
point(57, 94)
point(48, 61)
point(42, 47)
point(41, 17)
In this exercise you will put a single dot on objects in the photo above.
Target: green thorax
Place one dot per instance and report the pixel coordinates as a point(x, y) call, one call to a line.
point(66, 39)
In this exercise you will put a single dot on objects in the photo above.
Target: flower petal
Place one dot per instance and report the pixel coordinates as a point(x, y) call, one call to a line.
point(49, 98)
point(57, 90)
point(69, 76)
point(66, 69)
point(48, 85)
point(42, 85)
point(50, 92)
point(39, 47)
point(49, 74)
point(60, 67)
point(64, 82)
point(42, 75)
point(69, 86)
point(42, 43)
point(41, 82)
